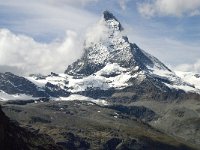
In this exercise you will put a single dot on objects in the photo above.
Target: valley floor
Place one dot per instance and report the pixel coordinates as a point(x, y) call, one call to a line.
point(86, 125)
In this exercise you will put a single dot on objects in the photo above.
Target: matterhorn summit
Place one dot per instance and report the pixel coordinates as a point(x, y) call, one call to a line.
point(110, 59)
point(106, 43)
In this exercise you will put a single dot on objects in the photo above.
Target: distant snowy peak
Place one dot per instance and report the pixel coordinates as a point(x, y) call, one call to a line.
point(108, 54)
point(5, 96)
point(190, 77)
point(105, 43)
point(106, 28)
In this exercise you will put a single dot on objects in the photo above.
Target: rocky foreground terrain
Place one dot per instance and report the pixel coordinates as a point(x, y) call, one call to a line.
point(14, 137)
point(84, 125)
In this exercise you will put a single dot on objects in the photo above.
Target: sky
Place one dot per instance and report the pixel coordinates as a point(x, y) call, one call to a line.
point(40, 36)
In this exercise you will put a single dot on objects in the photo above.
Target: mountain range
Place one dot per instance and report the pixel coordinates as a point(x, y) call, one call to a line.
point(109, 63)
point(114, 71)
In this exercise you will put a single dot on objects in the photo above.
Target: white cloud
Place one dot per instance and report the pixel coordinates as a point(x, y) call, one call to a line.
point(48, 2)
point(50, 17)
point(74, 2)
point(96, 33)
point(48, 20)
point(30, 56)
point(99, 32)
point(176, 8)
point(77, 2)
point(189, 67)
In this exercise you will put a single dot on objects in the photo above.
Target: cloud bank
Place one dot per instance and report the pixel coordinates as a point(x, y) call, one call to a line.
point(175, 8)
point(43, 21)
point(188, 67)
point(29, 56)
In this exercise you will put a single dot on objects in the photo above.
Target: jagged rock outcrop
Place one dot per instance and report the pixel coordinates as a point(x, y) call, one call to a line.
point(15, 85)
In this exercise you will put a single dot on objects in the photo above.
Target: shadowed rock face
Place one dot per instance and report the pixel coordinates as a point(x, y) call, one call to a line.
point(81, 126)
point(73, 142)
point(13, 84)
point(138, 112)
point(109, 16)
point(148, 91)
point(13, 137)
point(138, 144)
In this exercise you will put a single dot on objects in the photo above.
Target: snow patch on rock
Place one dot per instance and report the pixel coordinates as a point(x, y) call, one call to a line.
point(190, 77)
point(74, 97)
point(5, 96)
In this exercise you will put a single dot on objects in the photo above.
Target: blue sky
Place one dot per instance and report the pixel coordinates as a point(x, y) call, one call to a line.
point(168, 29)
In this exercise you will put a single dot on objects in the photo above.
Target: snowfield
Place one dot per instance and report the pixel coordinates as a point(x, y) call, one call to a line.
point(5, 97)
point(74, 97)
point(114, 76)
point(190, 77)
point(179, 80)
point(111, 76)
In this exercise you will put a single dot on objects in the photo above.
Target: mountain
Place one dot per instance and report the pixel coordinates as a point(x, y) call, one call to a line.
point(15, 87)
point(111, 67)
point(111, 61)
point(190, 77)
point(110, 46)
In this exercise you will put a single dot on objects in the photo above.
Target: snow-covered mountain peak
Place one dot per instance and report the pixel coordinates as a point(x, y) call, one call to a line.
point(104, 31)
point(112, 21)
point(107, 15)
point(106, 44)
point(112, 61)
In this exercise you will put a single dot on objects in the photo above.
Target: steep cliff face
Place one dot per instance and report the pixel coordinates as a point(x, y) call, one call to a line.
point(106, 43)
point(110, 61)
point(17, 87)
